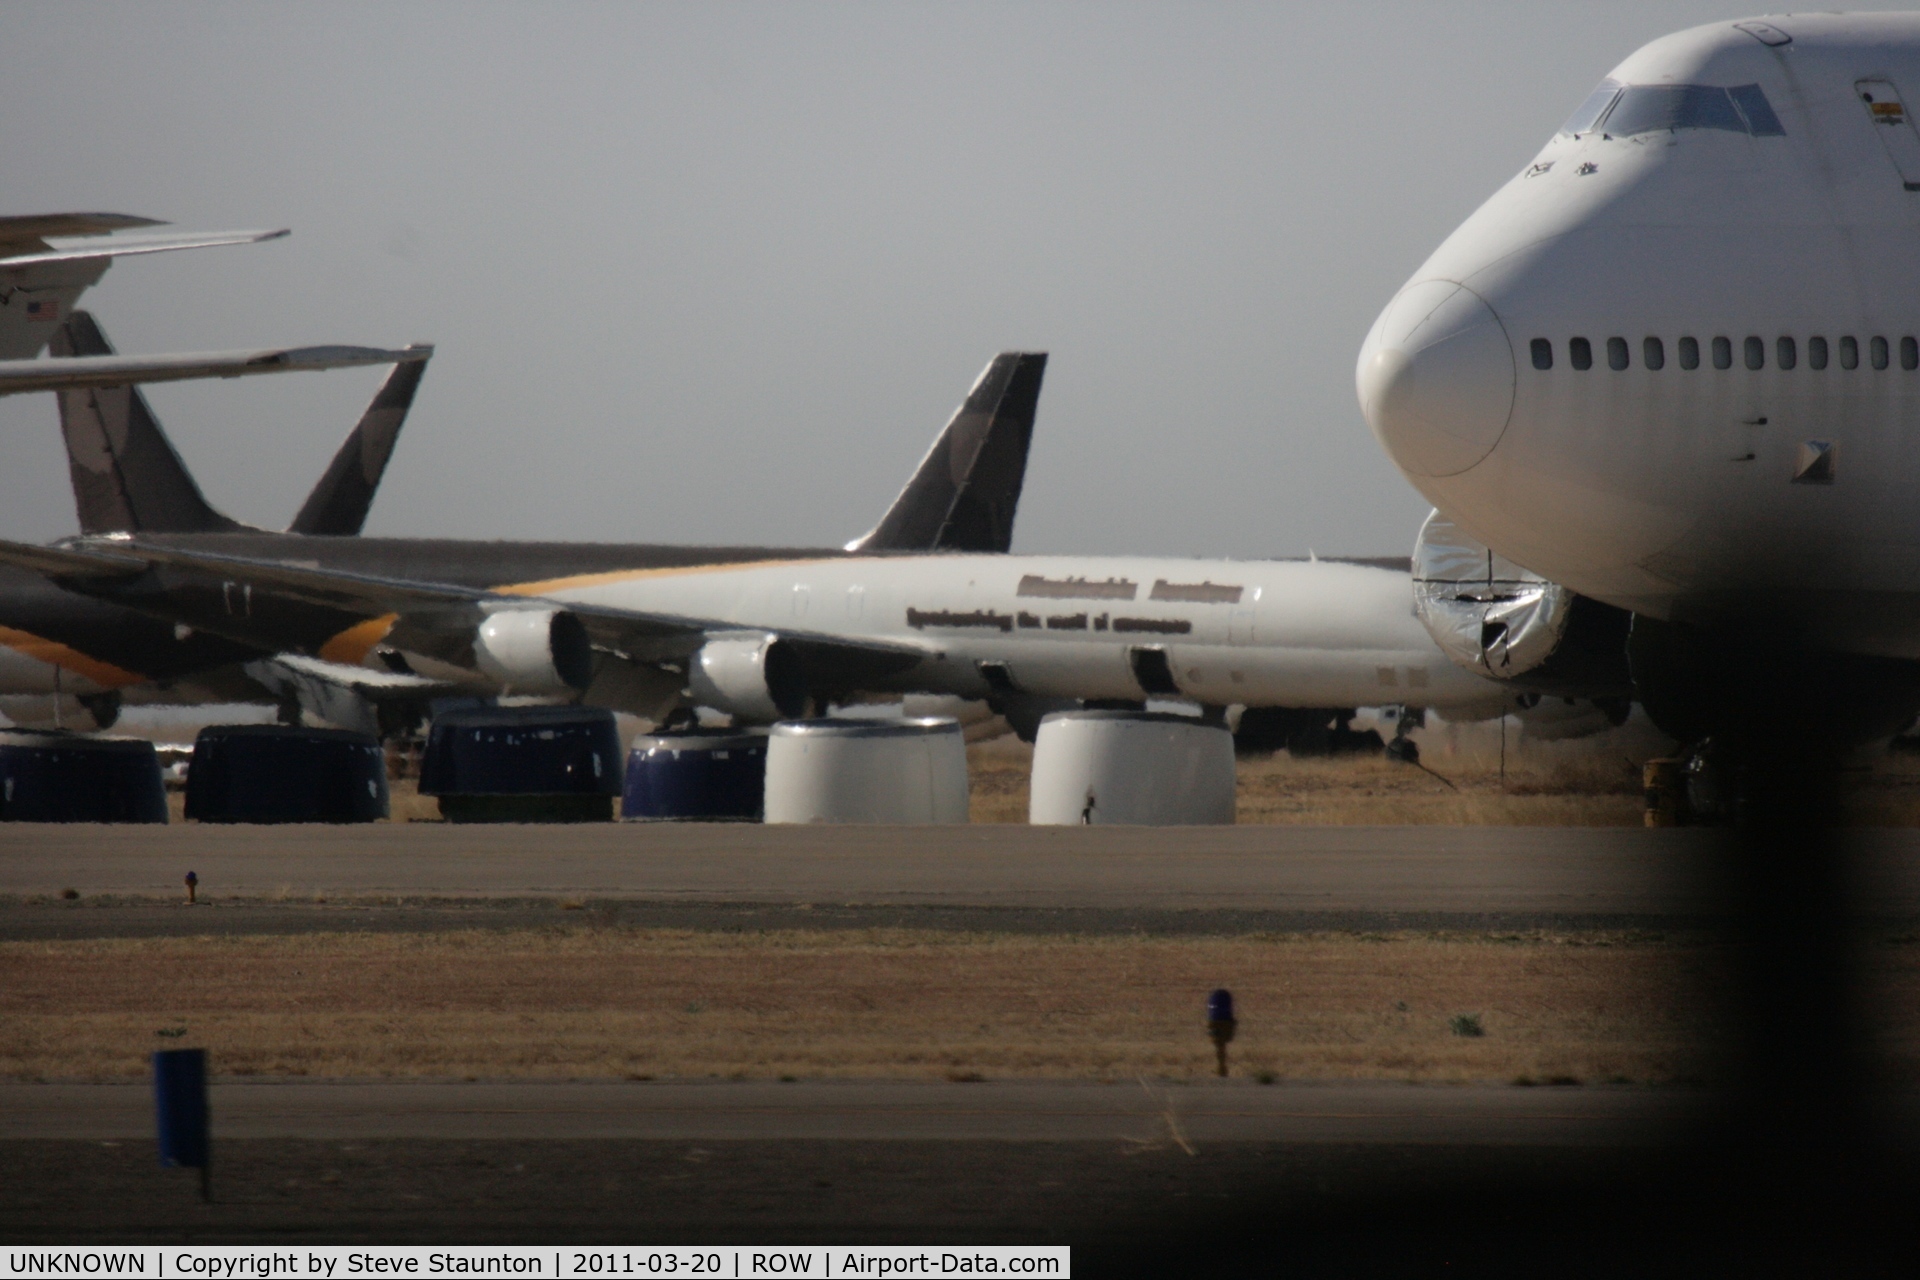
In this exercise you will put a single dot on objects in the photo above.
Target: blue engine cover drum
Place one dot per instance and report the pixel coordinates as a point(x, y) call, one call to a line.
point(497, 751)
point(271, 773)
point(61, 777)
point(700, 775)
point(523, 764)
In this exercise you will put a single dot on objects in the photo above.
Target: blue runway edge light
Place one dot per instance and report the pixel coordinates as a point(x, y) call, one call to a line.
point(180, 1106)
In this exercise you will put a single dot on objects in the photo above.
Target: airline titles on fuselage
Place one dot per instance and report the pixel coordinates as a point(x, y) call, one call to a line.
point(1038, 586)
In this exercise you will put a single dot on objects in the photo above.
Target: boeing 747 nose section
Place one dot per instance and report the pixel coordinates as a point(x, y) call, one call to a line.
point(1436, 378)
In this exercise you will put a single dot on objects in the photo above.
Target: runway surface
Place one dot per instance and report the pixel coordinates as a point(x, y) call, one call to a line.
point(1228, 1111)
point(1281, 868)
point(1625, 872)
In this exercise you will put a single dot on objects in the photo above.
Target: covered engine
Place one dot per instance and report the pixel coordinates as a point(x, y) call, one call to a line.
point(535, 651)
point(753, 676)
point(1499, 620)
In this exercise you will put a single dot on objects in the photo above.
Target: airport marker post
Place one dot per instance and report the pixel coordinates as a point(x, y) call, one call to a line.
point(193, 883)
point(180, 1109)
point(1220, 1024)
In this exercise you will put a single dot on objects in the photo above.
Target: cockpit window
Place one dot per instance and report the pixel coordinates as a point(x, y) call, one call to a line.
point(1753, 104)
point(1648, 108)
point(1645, 108)
point(1593, 108)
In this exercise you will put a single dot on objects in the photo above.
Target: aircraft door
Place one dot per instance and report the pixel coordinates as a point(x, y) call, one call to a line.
point(1242, 628)
point(1892, 122)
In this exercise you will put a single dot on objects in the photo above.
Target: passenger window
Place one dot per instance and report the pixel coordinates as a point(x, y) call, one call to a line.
point(1542, 354)
point(1756, 353)
point(1653, 354)
point(1579, 353)
point(1816, 353)
point(1909, 354)
point(1616, 354)
point(1722, 353)
point(1689, 354)
point(1849, 353)
point(1785, 353)
point(1877, 353)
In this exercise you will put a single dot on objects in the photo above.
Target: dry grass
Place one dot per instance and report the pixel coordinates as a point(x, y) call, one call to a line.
point(1588, 782)
point(590, 1002)
point(1543, 787)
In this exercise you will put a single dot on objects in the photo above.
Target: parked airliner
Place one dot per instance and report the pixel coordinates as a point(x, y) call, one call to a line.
point(1673, 364)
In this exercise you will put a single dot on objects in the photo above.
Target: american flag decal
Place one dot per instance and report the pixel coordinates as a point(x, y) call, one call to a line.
point(47, 312)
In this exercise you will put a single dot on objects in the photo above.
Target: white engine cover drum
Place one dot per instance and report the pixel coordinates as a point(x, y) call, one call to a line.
point(1137, 768)
point(895, 771)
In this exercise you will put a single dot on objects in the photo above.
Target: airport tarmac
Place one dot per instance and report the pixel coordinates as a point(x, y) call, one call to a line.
point(1273, 868)
point(1525, 871)
point(1306, 1180)
point(1051, 1111)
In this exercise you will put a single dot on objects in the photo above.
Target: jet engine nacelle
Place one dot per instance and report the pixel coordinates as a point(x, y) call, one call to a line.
point(1504, 622)
point(537, 651)
point(752, 676)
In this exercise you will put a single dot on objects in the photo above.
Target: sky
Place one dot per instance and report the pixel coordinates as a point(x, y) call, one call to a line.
point(718, 272)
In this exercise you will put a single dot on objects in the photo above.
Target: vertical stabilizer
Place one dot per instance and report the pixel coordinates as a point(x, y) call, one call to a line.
point(965, 492)
point(338, 504)
point(126, 476)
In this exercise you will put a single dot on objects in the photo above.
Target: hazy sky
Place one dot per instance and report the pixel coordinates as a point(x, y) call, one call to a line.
point(717, 272)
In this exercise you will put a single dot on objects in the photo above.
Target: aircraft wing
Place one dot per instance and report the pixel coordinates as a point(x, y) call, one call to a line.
point(17, 377)
point(635, 635)
point(74, 248)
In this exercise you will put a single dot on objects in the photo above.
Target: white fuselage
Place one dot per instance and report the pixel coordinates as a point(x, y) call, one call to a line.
point(1784, 225)
point(1255, 633)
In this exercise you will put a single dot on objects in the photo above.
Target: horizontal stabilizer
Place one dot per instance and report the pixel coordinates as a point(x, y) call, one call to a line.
point(29, 227)
point(17, 377)
point(37, 251)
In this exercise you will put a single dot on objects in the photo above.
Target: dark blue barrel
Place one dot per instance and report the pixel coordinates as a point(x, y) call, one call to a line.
point(63, 777)
point(523, 764)
point(270, 773)
point(180, 1106)
point(698, 775)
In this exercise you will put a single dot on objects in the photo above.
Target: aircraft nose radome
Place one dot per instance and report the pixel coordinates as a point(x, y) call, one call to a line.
point(1436, 379)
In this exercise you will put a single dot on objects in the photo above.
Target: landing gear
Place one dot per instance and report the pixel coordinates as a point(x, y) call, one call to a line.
point(1303, 732)
point(1404, 750)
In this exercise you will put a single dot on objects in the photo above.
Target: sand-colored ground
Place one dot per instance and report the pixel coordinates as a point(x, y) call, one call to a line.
point(597, 1002)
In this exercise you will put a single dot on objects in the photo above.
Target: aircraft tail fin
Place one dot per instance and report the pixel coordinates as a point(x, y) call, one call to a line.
point(126, 476)
point(338, 504)
point(964, 494)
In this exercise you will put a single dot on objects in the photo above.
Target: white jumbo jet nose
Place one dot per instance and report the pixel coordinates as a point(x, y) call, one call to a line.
point(1436, 378)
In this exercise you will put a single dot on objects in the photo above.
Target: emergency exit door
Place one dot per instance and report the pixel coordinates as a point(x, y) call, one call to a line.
point(1891, 120)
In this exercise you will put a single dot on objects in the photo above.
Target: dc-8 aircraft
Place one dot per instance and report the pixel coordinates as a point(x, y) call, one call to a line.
point(174, 633)
point(1673, 365)
point(765, 635)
